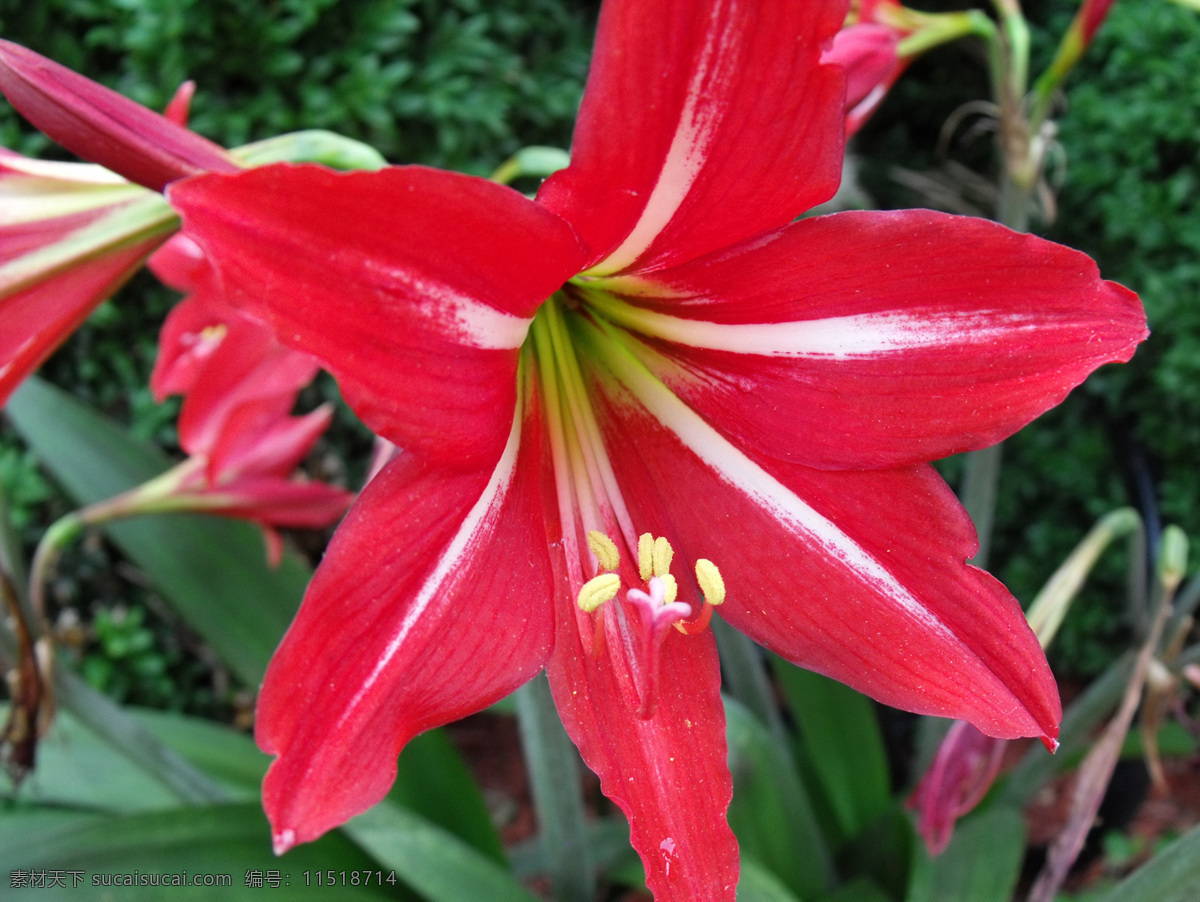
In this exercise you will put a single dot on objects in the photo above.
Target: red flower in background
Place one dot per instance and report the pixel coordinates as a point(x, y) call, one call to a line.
point(70, 235)
point(868, 49)
point(239, 386)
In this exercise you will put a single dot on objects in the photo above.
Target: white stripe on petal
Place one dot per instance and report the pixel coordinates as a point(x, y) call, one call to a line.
point(732, 466)
point(471, 321)
point(477, 527)
point(83, 173)
point(24, 200)
point(698, 122)
point(837, 337)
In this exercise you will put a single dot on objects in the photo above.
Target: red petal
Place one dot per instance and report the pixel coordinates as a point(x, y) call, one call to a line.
point(189, 337)
point(857, 575)
point(180, 264)
point(880, 339)
point(703, 123)
point(248, 366)
point(432, 602)
point(431, 279)
point(257, 440)
point(180, 105)
point(35, 321)
point(668, 773)
point(102, 126)
point(868, 54)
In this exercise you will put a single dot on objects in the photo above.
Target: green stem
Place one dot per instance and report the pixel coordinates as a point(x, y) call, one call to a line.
point(1009, 59)
point(60, 534)
point(312, 146)
point(553, 767)
point(531, 162)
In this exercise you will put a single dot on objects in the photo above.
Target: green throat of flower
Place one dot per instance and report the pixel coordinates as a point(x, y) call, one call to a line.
point(625, 602)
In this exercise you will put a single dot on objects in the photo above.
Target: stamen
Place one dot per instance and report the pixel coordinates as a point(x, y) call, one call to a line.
point(711, 583)
point(646, 555)
point(597, 590)
point(661, 556)
point(605, 550)
point(713, 587)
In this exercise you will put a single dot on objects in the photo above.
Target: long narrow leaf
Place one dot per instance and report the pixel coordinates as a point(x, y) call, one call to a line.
point(1173, 875)
point(433, 781)
point(841, 738)
point(771, 812)
point(225, 848)
point(553, 767)
point(758, 884)
point(981, 864)
point(434, 862)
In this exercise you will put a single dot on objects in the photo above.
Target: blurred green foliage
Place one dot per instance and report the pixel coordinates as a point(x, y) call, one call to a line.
point(454, 83)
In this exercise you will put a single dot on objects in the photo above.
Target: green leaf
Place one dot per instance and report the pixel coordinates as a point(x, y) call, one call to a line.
point(841, 739)
point(860, 889)
point(552, 763)
point(228, 840)
point(221, 752)
point(107, 721)
point(213, 572)
point(883, 852)
point(1173, 875)
point(758, 884)
point(68, 759)
point(981, 864)
point(436, 863)
point(433, 781)
point(771, 813)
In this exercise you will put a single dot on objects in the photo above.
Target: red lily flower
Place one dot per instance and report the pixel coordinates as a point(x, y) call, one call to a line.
point(239, 385)
point(878, 41)
point(100, 125)
point(651, 348)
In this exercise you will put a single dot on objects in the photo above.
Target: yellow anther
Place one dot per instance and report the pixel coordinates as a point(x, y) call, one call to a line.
point(711, 583)
point(646, 555)
point(670, 588)
point(605, 550)
point(661, 557)
point(215, 333)
point(598, 590)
